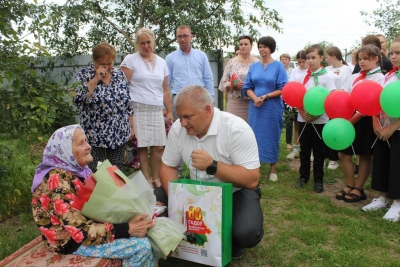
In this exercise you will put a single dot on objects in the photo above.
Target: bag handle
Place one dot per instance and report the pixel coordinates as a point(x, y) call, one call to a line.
point(197, 175)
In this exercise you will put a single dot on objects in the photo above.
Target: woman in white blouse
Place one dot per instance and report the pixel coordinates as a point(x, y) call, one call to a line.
point(147, 75)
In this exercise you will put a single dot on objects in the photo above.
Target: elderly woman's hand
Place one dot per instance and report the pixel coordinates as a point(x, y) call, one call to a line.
point(140, 225)
point(101, 72)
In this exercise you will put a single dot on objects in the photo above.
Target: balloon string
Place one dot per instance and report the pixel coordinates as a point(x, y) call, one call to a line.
point(298, 139)
point(316, 130)
point(377, 136)
point(354, 153)
point(375, 142)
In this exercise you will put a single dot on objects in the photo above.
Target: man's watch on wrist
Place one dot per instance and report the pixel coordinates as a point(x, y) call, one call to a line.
point(212, 169)
point(267, 96)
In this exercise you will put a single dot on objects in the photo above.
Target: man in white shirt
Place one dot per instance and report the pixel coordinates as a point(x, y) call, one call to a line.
point(223, 147)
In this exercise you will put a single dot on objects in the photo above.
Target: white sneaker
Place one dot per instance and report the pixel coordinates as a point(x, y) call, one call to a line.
point(376, 204)
point(393, 213)
point(333, 165)
point(293, 154)
point(273, 177)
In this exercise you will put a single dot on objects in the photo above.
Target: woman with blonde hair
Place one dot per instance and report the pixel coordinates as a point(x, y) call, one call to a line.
point(147, 76)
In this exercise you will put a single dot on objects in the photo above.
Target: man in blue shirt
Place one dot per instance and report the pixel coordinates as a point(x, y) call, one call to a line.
point(188, 66)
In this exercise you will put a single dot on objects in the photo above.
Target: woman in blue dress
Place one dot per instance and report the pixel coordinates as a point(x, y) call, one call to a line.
point(263, 85)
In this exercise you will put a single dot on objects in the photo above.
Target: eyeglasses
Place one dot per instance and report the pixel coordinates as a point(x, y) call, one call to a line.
point(185, 36)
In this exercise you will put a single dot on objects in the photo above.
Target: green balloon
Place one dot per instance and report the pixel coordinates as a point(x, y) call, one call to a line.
point(338, 134)
point(314, 100)
point(390, 99)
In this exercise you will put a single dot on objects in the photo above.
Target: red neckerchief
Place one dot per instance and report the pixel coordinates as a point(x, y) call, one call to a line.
point(307, 77)
point(361, 77)
point(394, 70)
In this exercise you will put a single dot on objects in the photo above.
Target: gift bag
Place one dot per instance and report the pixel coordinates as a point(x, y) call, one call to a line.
point(205, 209)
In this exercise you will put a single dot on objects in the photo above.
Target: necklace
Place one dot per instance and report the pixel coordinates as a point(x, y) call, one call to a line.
point(150, 65)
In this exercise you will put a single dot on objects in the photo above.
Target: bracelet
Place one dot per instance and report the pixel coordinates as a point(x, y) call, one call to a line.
point(267, 96)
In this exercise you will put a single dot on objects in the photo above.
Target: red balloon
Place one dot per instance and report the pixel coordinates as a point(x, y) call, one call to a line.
point(365, 97)
point(293, 94)
point(338, 105)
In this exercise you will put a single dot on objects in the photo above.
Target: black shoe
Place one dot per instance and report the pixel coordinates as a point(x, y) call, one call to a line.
point(355, 169)
point(237, 252)
point(318, 187)
point(300, 184)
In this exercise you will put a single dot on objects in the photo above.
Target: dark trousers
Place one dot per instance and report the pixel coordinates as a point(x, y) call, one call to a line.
point(332, 155)
point(247, 216)
point(310, 141)
point(289, 131)
point(115, 156)
point(386, 166)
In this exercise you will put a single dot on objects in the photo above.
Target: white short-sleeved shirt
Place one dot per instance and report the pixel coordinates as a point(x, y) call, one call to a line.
point(326, 81)
point(229, 139)
point(377, 77)
point(341, 76)
point(297, 75)
point(145, 86)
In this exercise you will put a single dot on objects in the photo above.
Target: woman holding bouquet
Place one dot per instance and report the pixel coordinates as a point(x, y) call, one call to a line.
point(65, 230)
point(235, 74)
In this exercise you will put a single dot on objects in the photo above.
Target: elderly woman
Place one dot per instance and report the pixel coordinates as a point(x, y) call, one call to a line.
point(237, 103)
point(147, 76)
point(65, 230)
point(102, 97)
point(263, 85)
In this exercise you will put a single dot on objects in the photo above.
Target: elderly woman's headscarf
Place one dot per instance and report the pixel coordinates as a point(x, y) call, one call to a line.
point(58, 155)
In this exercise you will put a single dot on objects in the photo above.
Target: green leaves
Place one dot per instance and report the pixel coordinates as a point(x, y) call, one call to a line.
point(386, 18)
point(78, 25)
point(30, 103)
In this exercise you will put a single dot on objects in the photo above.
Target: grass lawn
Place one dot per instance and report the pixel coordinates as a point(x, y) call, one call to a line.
point(301, 228)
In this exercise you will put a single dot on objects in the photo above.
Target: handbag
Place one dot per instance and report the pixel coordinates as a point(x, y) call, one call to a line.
point(205, 209)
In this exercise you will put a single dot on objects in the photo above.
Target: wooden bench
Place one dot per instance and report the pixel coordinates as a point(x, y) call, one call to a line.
point(36, 254)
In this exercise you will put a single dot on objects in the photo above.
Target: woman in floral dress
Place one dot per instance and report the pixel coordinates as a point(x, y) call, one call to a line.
point(102, 97)
point(237, 103)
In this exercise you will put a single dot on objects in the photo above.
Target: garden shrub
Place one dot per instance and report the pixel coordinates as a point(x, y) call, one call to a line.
point(16, 174)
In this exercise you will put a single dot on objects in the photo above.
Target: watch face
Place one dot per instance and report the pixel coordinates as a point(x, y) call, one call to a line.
point(212, 169)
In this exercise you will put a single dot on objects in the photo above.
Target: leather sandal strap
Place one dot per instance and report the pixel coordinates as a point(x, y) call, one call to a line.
point(361, 190)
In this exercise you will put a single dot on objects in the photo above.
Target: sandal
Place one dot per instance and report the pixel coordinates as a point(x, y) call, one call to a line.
point(343, 193)
point(354, 197)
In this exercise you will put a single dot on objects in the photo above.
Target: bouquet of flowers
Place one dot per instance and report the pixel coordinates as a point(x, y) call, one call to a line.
point(118, 199)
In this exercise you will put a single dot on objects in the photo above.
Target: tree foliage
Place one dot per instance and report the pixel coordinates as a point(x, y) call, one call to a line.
point(78, 25)
point(386, 18)
point(30, 102)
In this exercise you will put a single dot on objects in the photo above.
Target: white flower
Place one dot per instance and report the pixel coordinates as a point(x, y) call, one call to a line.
point(211, 204)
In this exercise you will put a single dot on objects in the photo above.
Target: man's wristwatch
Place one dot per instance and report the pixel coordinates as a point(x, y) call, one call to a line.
point(212, 169)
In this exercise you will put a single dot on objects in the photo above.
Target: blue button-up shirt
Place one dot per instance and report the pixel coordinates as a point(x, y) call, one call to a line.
point(185, 70)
